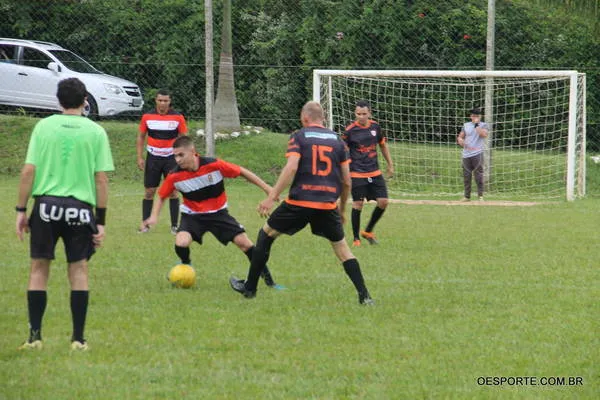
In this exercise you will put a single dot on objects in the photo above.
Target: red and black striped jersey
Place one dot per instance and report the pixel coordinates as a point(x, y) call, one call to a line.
point(362, 142)
point(318, 180)
point(162, 130)
point(203, 190)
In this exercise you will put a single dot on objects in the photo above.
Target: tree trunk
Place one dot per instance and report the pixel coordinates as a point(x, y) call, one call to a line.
point(226, 114)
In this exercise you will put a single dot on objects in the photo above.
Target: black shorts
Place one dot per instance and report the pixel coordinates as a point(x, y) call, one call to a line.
point(62, 217)
point(290, 219)
point(157, 168)
point(369, 188)
point(221, 224)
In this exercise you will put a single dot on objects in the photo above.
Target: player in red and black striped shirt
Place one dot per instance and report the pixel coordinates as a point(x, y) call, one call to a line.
point(162, 126)
point(317, 169)
point(362, 137)
point(204, 209)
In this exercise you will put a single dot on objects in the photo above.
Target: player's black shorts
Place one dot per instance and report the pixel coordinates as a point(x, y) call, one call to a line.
point(62, 217)
point(157, 168)
point(369, 188)
point(289, 219)
point(221, 224)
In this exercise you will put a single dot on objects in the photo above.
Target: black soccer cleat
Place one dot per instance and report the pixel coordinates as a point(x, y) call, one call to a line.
point(239, 285)
point(266, 275)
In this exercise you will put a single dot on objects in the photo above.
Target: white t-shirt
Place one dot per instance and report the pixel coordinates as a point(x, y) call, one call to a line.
point(473, 142)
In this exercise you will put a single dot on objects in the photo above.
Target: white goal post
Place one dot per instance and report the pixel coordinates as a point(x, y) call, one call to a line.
point(536, 144)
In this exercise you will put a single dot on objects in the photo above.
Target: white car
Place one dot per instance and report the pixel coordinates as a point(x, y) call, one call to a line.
point(30, 72)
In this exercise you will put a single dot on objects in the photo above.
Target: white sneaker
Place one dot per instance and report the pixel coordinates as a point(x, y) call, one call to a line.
point(35, 345)
point(79, 346)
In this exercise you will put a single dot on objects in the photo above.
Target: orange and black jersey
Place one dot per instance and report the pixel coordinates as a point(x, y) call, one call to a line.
point(362, 142)
point(162, 131)
point(203, 190)
point(318, 180)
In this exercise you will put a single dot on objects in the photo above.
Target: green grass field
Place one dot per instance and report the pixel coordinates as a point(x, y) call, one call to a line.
point(463, 292)
point(430, 170)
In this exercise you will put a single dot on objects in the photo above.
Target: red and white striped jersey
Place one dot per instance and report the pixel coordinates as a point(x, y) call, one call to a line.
point(203, 190)
point(162, 130)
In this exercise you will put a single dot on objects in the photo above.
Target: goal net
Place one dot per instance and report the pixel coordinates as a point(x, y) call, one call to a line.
point(536, 143)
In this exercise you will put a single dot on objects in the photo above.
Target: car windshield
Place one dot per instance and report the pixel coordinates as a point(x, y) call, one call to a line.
point(74, 62)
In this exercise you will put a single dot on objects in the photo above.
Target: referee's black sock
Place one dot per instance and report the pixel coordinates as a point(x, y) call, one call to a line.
point(184, 254)
point(36, 305)
point(356, 223)
point(79, 306)
point(377, 213)
point(352, 269)
point(260, 256)
point(266, 274)
point(146, 209)
point(174, 209)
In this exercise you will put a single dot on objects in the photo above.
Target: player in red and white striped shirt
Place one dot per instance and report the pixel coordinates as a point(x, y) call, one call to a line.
point(161, 126)
point(200, 180)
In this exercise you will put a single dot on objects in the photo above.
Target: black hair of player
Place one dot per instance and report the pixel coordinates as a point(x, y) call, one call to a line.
point(363, 104)
point(71, 93)
point(163, 92)
point(476, 111)
point(183, 141)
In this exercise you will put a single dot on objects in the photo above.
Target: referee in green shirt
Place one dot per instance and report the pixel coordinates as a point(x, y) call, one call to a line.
point(65, 173)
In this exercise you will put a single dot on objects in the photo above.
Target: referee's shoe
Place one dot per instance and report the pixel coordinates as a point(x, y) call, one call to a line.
point(32, 345)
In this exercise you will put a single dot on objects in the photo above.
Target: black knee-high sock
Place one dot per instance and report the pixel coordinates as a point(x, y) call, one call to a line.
point(266, 274)
point(352, 269)
point(79, 307)
point(355, 223)
point(146, 209)
point(174, 208)
point(184, 254)
point(36, 305)
point(377, 213)
point(260, 256)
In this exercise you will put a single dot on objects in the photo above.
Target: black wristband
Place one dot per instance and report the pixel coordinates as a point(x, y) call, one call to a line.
point(20, 209)
point(100, 216)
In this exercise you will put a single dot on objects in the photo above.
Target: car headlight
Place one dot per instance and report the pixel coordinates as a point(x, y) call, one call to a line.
point(114, 89)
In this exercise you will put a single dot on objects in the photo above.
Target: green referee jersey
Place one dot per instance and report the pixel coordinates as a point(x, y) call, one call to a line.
point(67, 151)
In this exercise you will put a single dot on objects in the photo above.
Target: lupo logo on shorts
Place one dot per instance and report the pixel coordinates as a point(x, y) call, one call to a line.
point(71, 215)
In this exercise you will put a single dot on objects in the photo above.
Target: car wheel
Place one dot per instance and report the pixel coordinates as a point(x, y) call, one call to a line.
point(90, 109)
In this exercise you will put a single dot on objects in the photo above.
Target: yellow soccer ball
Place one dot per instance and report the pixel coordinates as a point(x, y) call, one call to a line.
point(182, 276)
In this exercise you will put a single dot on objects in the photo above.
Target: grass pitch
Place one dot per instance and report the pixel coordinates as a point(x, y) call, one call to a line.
point(462, 293)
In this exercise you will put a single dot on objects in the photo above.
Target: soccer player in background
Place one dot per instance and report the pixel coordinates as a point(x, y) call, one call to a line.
point(201, 183)
point(362, 137)
point(65, 172)
point(472, 139)
point(317, 169)
point(162, 126)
